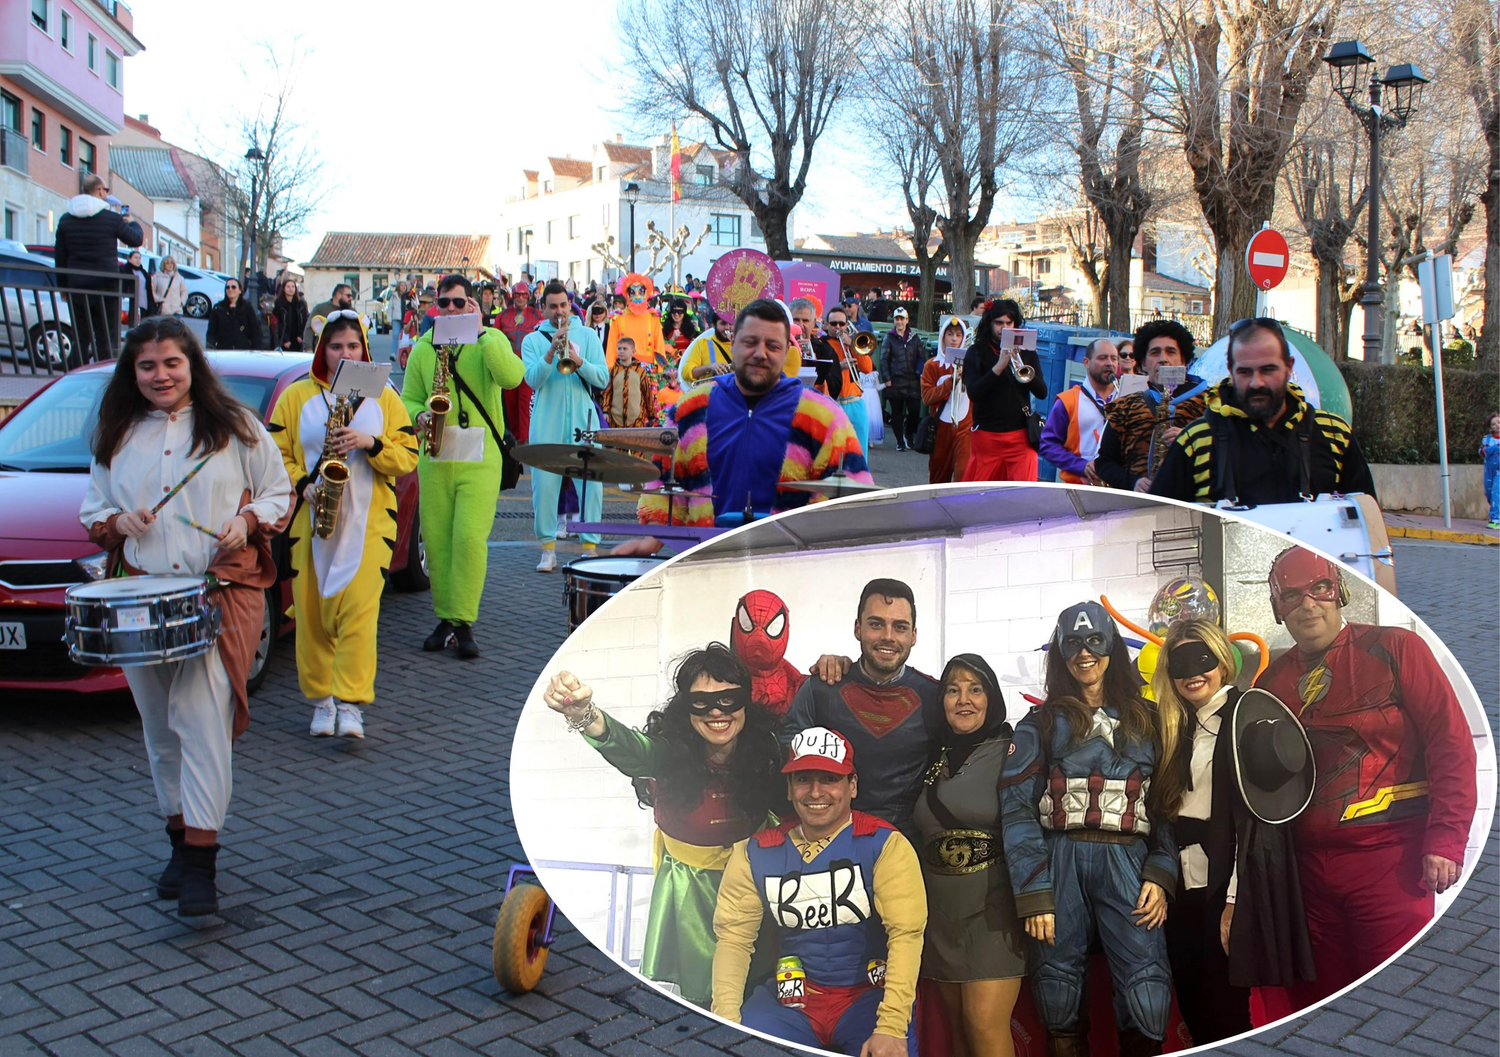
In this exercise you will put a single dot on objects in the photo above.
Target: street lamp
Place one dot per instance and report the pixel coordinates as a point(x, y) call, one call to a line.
point(1349, 64)
point(630, 192)
point(254, 157)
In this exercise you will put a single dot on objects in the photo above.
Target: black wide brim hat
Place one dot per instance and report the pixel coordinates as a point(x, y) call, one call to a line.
point(1273, 758)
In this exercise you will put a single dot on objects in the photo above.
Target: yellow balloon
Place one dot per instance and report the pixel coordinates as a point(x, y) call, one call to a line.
point(1145, 663)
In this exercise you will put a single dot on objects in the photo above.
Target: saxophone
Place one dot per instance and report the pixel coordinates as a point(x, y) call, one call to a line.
point(333, 474)
point(1158, 449)
point(438, 405)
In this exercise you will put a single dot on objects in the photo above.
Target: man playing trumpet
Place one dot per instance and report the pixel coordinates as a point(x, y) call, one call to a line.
point(563, 361)
point(854, 359)
point(461, 482)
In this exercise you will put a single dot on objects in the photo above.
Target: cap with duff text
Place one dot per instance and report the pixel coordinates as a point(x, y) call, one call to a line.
point(820, 749)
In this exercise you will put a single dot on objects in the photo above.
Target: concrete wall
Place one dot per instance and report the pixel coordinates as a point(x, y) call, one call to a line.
point(1419, 489)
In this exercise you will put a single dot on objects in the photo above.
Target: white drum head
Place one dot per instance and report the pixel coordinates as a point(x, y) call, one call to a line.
point(622, 569)
point(134, 587)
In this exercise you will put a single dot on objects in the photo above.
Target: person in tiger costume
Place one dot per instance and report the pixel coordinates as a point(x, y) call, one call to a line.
point(1130, 433)
point(629, 400)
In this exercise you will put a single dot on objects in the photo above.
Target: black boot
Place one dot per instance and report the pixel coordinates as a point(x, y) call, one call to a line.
point(171, 878)
point(1134, 1044)
point(1068, 1045)
point(198, 894)
point(440, 637)
point(468, 649)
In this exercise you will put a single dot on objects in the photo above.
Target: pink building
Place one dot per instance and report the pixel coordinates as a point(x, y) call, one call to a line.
point(62, 82)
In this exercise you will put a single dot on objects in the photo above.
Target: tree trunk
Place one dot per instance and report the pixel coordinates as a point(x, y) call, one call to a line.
point(772, 219)
point(960, 265)
point(1328, 332)
point(927, 294)
point(1488, 351)
point(1234, 293)
point(1121, 238)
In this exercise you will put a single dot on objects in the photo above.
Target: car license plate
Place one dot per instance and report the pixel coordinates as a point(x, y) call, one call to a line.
point(12, 635)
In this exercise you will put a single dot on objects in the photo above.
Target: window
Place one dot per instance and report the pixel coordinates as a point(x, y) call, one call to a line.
point(573, 269)
point(726, 229)
point(10, 112)
point(507, 242)
point(1195, 307)
point(93, 53)
point(43, 229)
point(704, 176)
point(39, 15)
point(575, 226)
point(1156, 304)
point(549, 232)
point(65, 30)
point(602, 170)
point(755, 230)
point(352, 278)
point(38, 130)
point(65, 145)
point(1044, 266)
point(112, 68)
point(86, 156)
point(208, 261)
point(378, 283)
point(546, 187)
point(12, 222)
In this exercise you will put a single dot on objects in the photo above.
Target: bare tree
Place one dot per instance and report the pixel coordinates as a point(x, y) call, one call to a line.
point(955, 67)
point(763, 77)
point(1236, 76)
point(1109, 57)
point(1474, 26)
point(909, 161)
point(273, 196)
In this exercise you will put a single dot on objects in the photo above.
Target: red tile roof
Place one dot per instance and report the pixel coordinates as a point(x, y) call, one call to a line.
point(578, 169)
point(362, 249)
point(627, 153)
point(1167, 285)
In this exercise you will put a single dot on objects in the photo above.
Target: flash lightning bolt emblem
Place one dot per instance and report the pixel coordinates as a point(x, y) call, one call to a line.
point(1313, 687)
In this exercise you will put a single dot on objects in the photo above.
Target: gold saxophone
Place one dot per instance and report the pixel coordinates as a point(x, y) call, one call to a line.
point(333, 474)
point(438, 405)
point(1158, 449)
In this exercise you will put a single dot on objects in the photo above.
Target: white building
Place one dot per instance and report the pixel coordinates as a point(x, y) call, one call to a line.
point(569, 207)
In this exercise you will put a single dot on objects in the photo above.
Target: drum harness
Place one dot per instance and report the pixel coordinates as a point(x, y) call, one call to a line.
point(1227, 437)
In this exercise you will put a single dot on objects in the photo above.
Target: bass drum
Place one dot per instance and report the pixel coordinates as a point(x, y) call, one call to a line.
point(590, 582)
point(1349, 527)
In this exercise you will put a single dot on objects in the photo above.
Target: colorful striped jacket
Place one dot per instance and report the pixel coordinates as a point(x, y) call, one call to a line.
point(730, 453)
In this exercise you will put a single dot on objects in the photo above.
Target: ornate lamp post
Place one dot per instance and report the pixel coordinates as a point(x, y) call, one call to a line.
point(1349, 65)
point(630, 192)
point(254, 157)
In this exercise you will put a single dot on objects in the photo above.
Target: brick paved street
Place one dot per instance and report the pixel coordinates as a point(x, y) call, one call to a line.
point(360, 879)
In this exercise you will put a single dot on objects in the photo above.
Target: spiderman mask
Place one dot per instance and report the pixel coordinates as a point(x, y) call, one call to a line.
point(759, 635)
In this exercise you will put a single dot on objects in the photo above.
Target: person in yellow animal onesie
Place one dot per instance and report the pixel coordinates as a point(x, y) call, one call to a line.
point(338, 582)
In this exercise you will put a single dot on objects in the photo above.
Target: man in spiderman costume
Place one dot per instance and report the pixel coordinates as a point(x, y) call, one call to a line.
point(758, 637)
point(889, 711)
point(1395, 790)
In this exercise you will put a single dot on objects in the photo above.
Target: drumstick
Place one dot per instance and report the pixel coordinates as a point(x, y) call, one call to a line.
point(193, 524)
point(190, 474)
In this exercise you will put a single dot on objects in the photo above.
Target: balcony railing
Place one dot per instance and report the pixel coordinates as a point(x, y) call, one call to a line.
point(15, 152)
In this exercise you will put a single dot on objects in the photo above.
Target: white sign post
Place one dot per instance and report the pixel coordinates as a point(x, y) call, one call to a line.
point(1435, 277)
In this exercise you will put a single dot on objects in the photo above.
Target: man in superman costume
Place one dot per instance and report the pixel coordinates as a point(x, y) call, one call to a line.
point(1395, 790)
point(889, 711)
point(759, 636)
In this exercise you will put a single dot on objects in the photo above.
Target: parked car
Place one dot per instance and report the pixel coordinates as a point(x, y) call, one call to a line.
point(44, 474)
point(204, 288)
point(33, 321)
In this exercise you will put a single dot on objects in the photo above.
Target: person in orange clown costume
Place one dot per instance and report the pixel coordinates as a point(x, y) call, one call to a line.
point(639, 323)
point(759, 635)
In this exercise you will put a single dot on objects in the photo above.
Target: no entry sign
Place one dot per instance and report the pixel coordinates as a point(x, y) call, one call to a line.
point(1267, 258)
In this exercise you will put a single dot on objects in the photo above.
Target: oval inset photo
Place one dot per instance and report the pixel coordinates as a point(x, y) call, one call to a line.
point(1004, 768)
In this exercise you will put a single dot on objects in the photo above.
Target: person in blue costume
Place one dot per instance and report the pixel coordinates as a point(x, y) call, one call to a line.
point(1085, 812)
point(564, 403)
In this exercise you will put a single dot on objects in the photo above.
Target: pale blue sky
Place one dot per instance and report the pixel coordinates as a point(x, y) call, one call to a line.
point(415, 108)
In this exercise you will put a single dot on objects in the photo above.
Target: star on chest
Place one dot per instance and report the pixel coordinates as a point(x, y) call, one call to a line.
point(1104, 726)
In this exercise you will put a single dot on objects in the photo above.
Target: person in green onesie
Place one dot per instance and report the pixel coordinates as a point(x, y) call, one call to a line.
point(460, 485)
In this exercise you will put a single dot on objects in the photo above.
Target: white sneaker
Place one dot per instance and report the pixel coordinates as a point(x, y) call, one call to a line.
point(351, 721)
point(323, 719)
point(549, 561)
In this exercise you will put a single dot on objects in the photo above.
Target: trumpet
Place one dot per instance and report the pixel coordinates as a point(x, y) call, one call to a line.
point(1024, 374)
point(562, 349)
point(863, 344)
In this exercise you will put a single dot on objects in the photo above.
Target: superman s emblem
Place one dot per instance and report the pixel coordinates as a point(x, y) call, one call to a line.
point(880, 709)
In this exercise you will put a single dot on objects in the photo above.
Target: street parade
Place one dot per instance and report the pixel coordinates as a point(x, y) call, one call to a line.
point(980, 596)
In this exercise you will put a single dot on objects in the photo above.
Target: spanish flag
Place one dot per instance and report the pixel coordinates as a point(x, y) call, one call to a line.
point(676, 166)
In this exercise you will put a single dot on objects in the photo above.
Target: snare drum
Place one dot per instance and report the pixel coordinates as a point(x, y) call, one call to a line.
point(138, 620)
point(590, 582)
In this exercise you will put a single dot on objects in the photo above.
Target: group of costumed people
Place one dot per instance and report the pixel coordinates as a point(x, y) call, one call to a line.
point(830, 844)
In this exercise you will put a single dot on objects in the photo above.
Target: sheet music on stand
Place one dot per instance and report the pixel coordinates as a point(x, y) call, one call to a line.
point(355, 377)
point(456, 330)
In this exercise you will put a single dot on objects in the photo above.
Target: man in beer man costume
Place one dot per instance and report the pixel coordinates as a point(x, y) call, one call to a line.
point(850, 908)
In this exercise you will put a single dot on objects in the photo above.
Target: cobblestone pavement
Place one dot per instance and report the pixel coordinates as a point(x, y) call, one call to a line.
point(360, 879)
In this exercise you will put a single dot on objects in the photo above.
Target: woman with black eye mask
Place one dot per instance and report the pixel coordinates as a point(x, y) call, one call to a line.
point(709, 766)
point(1226, 850)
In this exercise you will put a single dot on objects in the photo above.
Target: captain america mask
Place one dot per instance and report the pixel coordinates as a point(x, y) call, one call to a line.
point(759, 634)
point(1086, 626)
point(1189, 658)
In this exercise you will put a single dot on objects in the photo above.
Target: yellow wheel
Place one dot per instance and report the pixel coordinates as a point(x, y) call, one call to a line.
point(518, 952)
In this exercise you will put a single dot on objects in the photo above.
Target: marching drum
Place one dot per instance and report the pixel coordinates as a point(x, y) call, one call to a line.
point(1349, 527)
point(590, 582)
point(138, 620)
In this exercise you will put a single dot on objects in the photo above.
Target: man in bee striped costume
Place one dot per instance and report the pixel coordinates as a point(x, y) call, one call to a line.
point(1260, 441)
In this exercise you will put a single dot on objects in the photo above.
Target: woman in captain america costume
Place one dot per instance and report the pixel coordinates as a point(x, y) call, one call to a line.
point(709, 766)
point(1085, 826)
point(762, 625)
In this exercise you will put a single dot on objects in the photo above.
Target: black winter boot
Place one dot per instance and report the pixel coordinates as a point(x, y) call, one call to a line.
point(198, 894)
point(439, 638)
point(468, 649)
point(1134, 1044)
point(171, 878)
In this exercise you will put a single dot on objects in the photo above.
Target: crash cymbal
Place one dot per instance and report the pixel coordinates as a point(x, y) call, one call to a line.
point(586, 463)
point(832, 487)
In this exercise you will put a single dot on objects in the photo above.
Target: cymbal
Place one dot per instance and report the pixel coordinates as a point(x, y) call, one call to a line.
point(832, 487)
point(587, 463)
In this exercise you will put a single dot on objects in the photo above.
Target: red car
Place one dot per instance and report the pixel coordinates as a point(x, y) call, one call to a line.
point(44, 474)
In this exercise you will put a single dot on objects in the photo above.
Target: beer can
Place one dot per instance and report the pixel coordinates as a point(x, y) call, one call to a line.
point(791, 982)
